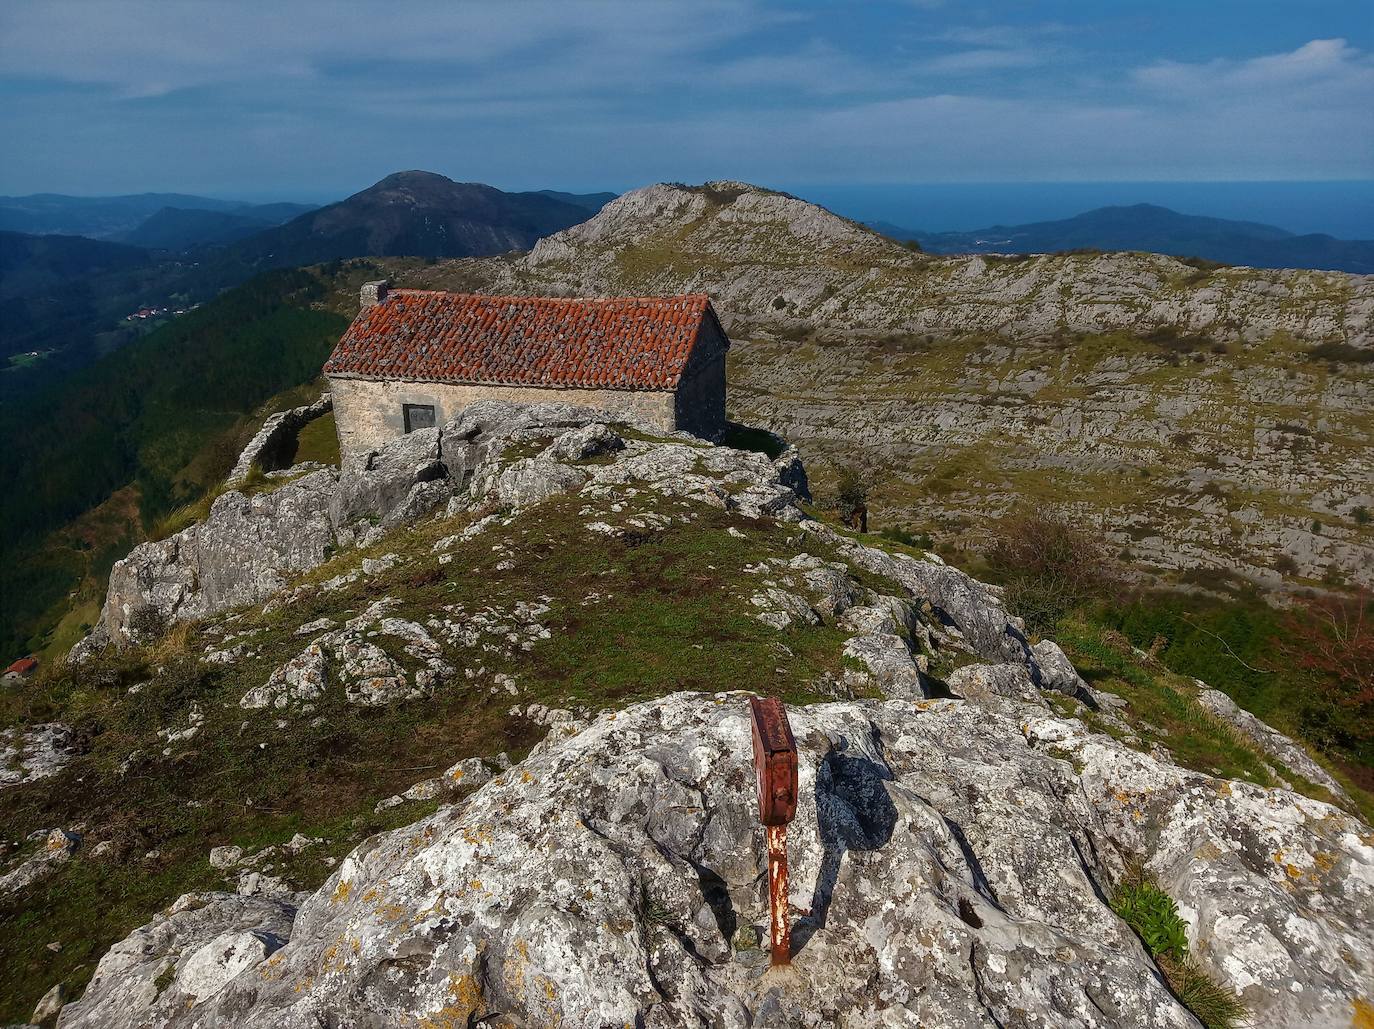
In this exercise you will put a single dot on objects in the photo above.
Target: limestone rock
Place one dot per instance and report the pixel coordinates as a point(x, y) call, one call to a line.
point(1052, 670)
point(952, 859)
point(47, 850)
point(33, 753)
point(207, 932)
point(349, 658)
point(242, 553)
point(588, 441)
point(225, 857)
point(1002, 680)
point(1270, 739)
point(375, 483)
point(51, 1003)
point(211, 966)
point(530, 481)
point(888, 660)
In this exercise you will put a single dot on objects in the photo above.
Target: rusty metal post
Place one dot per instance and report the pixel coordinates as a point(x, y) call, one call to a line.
point(775, 764)
point(780, 925)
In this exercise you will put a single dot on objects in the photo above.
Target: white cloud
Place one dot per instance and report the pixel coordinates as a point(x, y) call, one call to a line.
point(146, 48)
point(963, 62)
point(1331, 64)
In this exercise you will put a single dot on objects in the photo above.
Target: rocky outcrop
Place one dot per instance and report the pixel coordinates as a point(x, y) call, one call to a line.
point(43, 852)
point(186, 956)
point(249, 545)
point(242, 553)
point(274, 445)
point(949, 859)
point(1180, 409)
point(1269, 739)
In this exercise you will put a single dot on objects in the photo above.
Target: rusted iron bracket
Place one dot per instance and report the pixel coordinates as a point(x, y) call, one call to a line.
point(775, 764)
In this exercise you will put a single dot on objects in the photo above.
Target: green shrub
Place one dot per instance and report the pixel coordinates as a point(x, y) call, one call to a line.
point(1152, 914)
point(1051, 567)
point(851, 490)
point(901, 534)
point(1341, 353)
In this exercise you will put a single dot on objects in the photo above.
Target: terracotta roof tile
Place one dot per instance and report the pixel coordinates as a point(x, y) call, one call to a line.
point(617, 343)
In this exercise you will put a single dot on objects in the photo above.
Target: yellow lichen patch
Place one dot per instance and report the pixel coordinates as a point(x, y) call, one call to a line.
point(271, 969)
point(457, 774)
point(1223, 787)
point(341, 891)
point(468, 1001)
point(305, 984)
point(477, 837)
point(1324, 861)
point(1362, 1017)
point(1209, 851)
point(526, 777)
point(371, 894)
point(390, 912)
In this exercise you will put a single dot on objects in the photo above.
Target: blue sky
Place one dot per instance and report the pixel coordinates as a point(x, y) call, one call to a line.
point(312, 100)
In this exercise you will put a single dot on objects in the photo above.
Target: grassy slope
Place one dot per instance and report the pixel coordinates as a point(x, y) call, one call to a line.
point(663, 595)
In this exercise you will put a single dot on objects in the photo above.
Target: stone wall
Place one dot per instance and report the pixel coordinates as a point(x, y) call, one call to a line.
point(700, 404)
point(274, 446)
point(369, 412)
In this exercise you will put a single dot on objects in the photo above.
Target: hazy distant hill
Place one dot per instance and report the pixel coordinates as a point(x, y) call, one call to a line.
point(593, 202)
point(44, 213)
point(414, 213)
point(1156, 230)
point(53, 288)
point(179, 228)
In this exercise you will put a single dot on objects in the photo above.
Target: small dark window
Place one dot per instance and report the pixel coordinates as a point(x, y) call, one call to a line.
point(418, 416)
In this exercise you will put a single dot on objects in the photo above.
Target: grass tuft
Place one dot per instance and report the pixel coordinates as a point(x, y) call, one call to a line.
point(1154, 917)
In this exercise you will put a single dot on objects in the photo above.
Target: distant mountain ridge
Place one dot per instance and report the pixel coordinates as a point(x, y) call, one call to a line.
point(1155, 229)
point(416, 214)
point(113, 217)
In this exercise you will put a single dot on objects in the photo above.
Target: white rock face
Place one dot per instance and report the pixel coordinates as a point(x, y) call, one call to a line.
point(227, 956)
point(949, 863)
point(33, 753)
point(161, 973)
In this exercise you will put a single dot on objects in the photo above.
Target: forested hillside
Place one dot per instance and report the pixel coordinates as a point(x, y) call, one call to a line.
point(140, 416)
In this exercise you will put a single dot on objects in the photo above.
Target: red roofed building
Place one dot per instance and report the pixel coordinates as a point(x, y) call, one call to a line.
point(415, 358)
point(21, 669)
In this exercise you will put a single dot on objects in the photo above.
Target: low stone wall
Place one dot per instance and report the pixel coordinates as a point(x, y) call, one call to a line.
point(275, 443)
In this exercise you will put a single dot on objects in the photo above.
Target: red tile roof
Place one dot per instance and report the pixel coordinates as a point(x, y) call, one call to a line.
point(24, 666)
point(633, 343)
